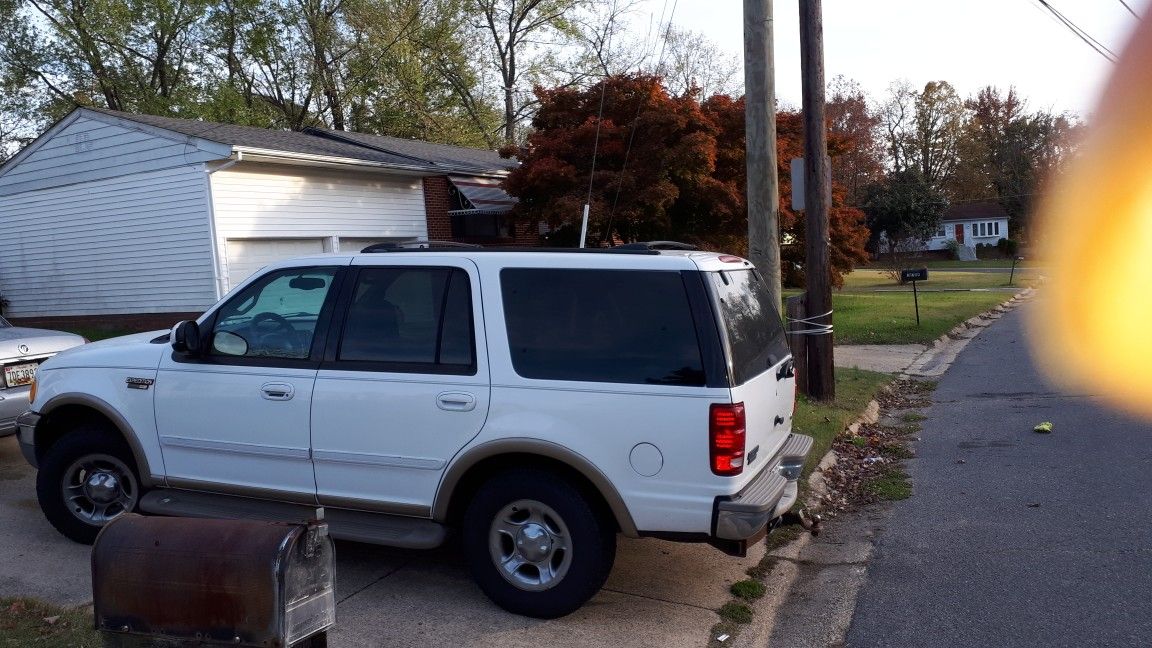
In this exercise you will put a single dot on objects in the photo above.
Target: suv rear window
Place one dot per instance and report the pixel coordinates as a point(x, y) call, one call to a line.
point(619, 326)
point(750, 322)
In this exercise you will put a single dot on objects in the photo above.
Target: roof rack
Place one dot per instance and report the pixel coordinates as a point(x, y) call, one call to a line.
point(649, 247)
point(659, 245)
point(417, 245)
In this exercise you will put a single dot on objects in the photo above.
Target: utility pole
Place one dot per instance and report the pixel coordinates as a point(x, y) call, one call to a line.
point(817, 202)
point(760, 145)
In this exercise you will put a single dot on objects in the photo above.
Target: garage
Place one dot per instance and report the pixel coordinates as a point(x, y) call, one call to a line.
point(246, 256)
point(138, 219)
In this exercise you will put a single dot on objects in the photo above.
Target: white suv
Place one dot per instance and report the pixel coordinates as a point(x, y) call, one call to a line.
point(538, 401)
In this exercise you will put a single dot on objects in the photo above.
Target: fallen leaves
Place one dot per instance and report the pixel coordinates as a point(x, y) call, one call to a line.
point(868, 461)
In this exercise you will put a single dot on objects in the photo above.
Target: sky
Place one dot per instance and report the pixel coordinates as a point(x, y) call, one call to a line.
point(969, 43)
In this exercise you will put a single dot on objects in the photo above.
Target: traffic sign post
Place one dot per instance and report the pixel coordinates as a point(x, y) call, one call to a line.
point(919, 274)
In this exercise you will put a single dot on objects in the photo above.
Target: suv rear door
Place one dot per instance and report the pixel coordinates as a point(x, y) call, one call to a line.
point(757, 351)
point(404, 384)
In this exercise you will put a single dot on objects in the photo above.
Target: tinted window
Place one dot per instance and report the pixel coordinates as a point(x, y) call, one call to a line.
point(750, 321)
point(617, 326)
point(410, 316)
point(275, 317)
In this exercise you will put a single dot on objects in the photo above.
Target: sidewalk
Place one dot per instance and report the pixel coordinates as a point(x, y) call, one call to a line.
point(885, 358)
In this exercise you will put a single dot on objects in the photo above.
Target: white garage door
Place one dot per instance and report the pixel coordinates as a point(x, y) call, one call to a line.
point(246, 256)
point(349, 245)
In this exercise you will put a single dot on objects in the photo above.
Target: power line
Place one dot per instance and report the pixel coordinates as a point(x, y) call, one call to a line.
point(636, 127)
point(1134, 14)
point(1096, 45)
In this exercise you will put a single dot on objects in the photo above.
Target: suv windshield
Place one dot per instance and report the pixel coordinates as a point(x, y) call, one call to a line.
point(750, 322)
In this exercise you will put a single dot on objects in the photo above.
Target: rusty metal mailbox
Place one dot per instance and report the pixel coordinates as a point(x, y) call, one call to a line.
point(175, 582)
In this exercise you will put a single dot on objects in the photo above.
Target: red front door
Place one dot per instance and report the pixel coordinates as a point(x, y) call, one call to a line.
point(959, 233)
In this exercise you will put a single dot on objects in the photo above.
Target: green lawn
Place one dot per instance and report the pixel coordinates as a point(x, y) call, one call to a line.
point(871, 309)
point(823, 421)
point(860, 280)
point(890, 318)
point(27, 622)
point(979, 263)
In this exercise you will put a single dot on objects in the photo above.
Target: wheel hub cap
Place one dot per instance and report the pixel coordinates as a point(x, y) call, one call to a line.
point(98, 487)
point(530, 545)
point(102, 487)
point(534, 542)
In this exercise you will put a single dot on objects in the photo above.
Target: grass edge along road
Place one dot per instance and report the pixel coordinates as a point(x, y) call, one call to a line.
point(823, 422)
point(28, 622)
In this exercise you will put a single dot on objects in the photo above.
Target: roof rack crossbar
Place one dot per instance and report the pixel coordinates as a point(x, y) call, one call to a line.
point(417, 245)
point(659, 245)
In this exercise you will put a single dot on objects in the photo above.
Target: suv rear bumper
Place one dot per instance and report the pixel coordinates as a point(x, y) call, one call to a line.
point(743, 518)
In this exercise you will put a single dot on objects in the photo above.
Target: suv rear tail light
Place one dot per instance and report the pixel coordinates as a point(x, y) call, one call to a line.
point(726, 438)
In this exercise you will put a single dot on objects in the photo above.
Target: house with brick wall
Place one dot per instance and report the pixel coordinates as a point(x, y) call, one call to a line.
point(118, 217)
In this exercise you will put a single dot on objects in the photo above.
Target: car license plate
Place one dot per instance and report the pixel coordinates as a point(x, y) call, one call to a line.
point(21, 374)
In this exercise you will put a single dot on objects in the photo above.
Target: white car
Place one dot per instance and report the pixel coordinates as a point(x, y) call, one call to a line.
point(22, 349)
point(539, 402)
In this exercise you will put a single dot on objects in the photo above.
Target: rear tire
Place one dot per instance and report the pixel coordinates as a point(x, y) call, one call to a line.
point(535, 545)
point(86, 479)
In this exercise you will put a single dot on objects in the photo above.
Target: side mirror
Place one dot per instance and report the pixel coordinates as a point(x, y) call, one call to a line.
point(229, 343)
point(186, 338)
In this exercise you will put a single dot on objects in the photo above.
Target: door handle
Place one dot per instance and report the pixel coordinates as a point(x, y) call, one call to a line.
point(277, 391)
point(456, 402)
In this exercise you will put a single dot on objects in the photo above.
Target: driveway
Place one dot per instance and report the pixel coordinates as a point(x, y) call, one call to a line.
point(659, 594)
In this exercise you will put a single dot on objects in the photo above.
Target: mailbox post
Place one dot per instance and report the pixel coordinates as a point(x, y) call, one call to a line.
point(1012, 275)
point(919, 274)
point(181, 582)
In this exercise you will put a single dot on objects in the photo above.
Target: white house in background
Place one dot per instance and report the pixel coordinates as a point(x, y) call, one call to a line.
point(970, 223)
point(115, 214)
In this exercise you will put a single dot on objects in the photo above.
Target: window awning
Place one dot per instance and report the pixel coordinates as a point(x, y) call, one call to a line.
point(482, 195)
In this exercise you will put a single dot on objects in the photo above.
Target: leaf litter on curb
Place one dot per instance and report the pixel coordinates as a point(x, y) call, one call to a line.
point(869, 463)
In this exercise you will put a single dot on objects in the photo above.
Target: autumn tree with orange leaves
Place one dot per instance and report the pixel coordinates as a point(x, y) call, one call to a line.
point(666, 167)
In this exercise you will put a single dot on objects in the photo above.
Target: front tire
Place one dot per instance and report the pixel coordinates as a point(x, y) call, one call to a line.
point(86, 479)
point(535, 545)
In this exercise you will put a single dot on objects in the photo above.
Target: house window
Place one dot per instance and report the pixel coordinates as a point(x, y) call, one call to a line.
point(480, 225)
point(940, 232)
point(975, 230)
point(996, 226)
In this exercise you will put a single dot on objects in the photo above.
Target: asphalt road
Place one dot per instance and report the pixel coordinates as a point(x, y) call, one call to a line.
point(1014, 538)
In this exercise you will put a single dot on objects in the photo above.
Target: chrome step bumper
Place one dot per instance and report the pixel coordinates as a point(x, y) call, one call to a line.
point(745, 515)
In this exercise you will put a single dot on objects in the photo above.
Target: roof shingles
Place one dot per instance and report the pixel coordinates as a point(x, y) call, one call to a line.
point(315, 142)
point(976, 210)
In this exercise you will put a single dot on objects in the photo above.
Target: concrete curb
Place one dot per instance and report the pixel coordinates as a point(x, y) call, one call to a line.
point(786, 569)
point(939, 356)
point(780, 580)
point(817, 483)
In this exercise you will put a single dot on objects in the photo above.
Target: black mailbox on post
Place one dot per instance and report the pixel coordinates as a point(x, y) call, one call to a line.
point(177, 582)
point(919, 274)
point(914, 275)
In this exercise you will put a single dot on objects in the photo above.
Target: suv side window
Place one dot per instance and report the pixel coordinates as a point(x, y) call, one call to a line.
point(415, 319)
point(275, 317)
point(620, 326)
